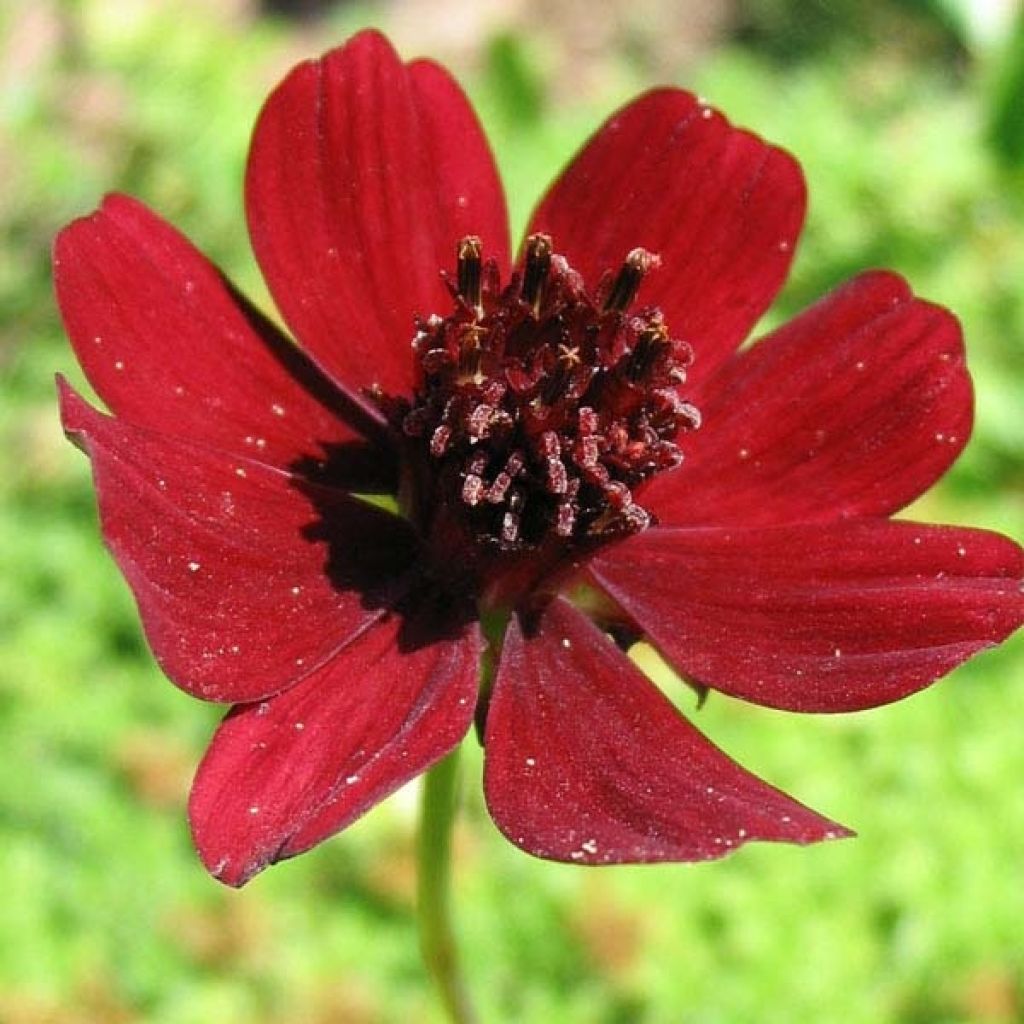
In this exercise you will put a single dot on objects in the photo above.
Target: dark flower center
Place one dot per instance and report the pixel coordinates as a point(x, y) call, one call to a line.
point(541, 406)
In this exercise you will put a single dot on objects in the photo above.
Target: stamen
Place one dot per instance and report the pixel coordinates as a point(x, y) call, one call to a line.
point(627, 281)
point(477, 464)
point(480, 419)
point(472, 489)
point(588, 421)
point(548, 445)
point(648, 346)
point(565, 519)
point(557, 478)
point(510, 527)
point(618, 495)
point(503, 481)
point(510, 521)
point(535, 273)
point(439, 440)
point(470, 263)
point(497, 491)
point(470, 349)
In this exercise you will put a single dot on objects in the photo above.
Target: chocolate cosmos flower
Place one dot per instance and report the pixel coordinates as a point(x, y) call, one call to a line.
point(536, 419)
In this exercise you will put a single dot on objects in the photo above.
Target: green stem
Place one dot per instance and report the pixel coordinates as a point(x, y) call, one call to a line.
point(434, 864)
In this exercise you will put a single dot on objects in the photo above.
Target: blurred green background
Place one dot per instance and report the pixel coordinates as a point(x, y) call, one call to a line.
point(909, 120)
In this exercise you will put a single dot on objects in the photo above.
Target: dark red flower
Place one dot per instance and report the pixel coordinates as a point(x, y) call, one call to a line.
point(536, 420)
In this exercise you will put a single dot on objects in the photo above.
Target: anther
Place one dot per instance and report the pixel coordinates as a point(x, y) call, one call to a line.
point(535, 272)
point(497, 491)
point(439, 440)
point(587, 420)
point(510, 527)
point(473, 489)
point(477, 464)
point(470, 263)
point(499, 488)
point(548, 445)
point(557, 477)
point(627, 281)
point(565, 519)
point(478, 423)
point(510, 520)
point(618, 495)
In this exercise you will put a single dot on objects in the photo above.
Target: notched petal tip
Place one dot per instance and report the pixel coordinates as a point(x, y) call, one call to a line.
point(112, 206)
point(369, 40)
point(76, 414)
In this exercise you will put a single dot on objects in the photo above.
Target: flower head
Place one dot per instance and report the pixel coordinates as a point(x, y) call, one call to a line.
point(537, 421)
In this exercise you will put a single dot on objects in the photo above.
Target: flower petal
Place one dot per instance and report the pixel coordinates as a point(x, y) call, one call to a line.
point(721, 207)
point(854, 408)
point(169, 345)
point(586, 761)
point(246, 578)
point(363, 175)
point(835, 617)
point(283, 775)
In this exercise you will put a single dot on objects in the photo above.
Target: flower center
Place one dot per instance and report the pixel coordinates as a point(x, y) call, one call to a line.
point(540, 406)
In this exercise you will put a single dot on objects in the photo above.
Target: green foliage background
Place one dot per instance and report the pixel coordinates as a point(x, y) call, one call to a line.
point(909, 124)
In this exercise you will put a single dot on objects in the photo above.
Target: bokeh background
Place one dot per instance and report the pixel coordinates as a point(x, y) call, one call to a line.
point(909, 120)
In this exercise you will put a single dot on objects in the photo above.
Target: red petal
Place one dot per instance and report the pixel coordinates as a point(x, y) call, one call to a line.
point(586, 761)
point(284, 775)
point(168, 345)
point(245, 582)
point(854, 408)
point(363, 175)
point(722, 208)
point(835, 617)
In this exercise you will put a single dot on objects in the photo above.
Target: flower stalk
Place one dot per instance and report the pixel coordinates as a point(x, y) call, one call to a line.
point(434, 875)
